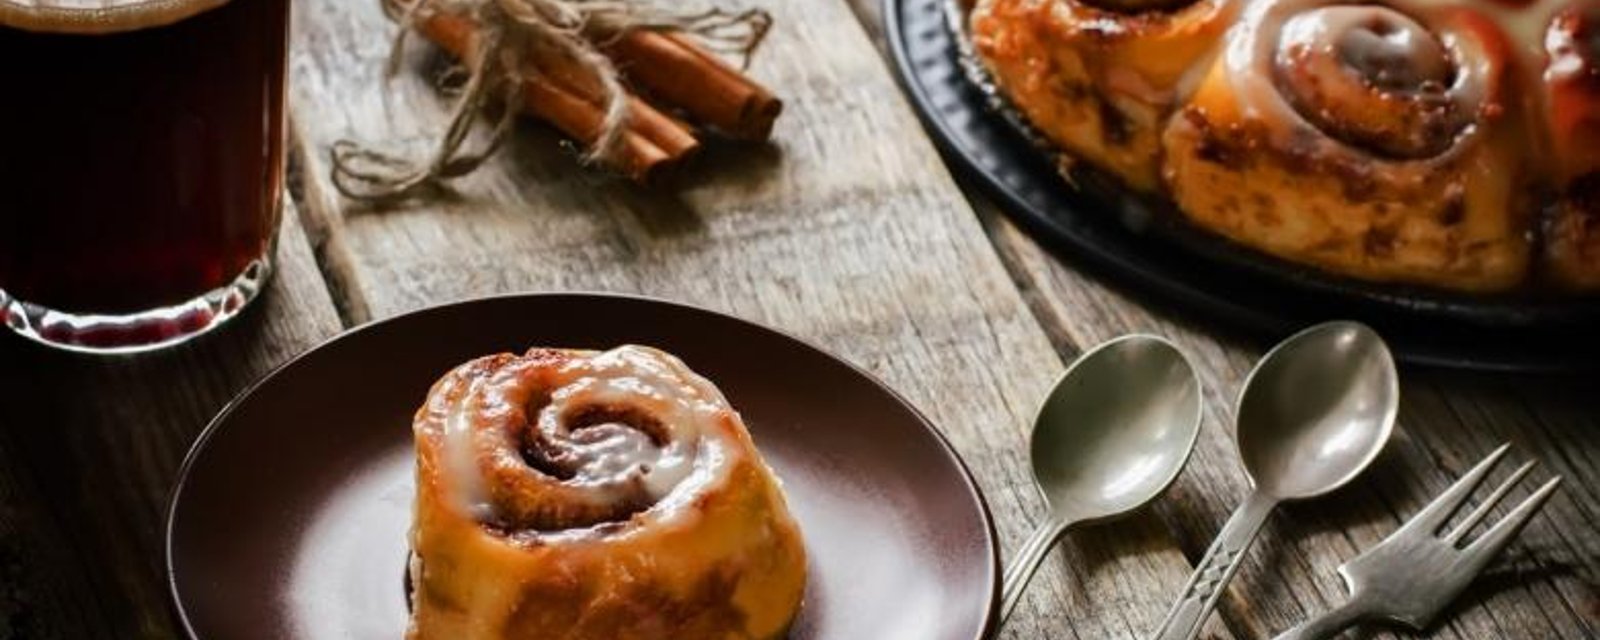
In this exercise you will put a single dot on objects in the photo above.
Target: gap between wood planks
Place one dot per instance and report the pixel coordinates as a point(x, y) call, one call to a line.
point(314, 203)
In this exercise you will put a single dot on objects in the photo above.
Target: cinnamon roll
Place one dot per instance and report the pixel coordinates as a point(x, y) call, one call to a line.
point(1572, 85)
point(1361, 139)
point(1447, 143)
point(582, 495)
point(1098, 77)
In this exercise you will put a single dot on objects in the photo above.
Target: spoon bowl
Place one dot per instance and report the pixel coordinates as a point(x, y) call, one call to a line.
point(1317, 410)
point(1314, 413)
point(1116, 428)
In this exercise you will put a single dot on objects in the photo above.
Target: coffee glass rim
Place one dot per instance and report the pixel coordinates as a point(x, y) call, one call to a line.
point(89, 17)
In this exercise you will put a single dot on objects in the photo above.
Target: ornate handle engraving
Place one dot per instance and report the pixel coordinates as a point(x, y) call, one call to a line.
point(1205, 585)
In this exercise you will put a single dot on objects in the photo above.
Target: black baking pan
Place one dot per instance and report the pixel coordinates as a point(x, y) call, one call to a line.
point(1143, 246)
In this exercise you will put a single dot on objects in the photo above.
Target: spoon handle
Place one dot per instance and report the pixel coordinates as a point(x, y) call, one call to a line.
point(1027, 562)
point(1210, 577)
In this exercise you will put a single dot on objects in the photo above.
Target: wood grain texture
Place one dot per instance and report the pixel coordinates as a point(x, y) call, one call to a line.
point(846, 230)
point(89, 448)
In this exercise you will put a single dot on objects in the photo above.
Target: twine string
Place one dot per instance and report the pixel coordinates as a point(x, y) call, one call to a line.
point(510, 31)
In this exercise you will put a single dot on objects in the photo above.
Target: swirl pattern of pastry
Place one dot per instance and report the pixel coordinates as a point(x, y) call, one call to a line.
point(1448, 143)
point(582, 495)
point(1359, 139)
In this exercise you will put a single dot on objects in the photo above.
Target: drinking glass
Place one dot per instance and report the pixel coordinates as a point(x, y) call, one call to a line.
point(141, 168)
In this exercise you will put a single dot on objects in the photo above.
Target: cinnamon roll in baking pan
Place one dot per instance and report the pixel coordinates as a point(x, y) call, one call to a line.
point(1448, 143)
point(1350, 137)
point(1572, 101)
point(578, 495)
point(1098, 77)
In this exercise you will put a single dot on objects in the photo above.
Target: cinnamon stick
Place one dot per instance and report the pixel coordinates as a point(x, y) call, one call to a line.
point(664, 130)
point(680, 72)
point(652, 141)
point(640, 158)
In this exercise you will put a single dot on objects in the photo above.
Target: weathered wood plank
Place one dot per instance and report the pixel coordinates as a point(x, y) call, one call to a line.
point(846, 230)
point(89, 448)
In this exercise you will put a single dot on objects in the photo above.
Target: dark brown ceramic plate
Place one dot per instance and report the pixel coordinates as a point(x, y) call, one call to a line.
point(290, 513)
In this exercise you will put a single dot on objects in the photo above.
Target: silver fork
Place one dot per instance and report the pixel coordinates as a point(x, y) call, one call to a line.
point(1410, 576)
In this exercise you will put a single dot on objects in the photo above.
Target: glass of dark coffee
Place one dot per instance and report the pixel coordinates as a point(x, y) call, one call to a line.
point(141, 166)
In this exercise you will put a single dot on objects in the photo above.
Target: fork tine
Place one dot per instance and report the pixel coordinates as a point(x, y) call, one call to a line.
point(1498, 536)
point(1433, 516)
point(1489, 503)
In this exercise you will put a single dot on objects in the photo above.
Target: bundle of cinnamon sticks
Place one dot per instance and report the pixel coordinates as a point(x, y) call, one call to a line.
point(667, 67)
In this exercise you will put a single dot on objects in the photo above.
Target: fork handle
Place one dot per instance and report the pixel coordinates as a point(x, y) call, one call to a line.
point(1328, 623)
point(1211, 576)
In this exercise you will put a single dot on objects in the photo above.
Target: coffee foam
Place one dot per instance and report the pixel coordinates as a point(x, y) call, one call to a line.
point(98, 16)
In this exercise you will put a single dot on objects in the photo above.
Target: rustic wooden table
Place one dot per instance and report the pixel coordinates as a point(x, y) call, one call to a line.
point(847, 230)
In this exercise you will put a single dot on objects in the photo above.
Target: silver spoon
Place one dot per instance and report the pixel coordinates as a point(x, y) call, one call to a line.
point(1110, 437)
point(1314, 413)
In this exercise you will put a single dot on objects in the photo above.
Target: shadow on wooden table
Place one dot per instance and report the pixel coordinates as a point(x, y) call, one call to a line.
point(1099, 545)
point(543, 160)
point(89, 447)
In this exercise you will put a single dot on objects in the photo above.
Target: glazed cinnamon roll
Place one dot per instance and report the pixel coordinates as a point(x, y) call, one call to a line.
point(1572, 86)
point(1099, 77)
point(582, 495)
point(1364, 139)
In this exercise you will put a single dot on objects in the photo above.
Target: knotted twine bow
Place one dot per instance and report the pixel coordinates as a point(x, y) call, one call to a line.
point(509, 32)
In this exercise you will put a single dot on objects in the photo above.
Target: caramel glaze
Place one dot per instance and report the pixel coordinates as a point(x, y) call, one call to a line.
point(1396, 102)
point(580, 495)
point(1098, 79)
point(1572, 81)
point(1452, 143)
